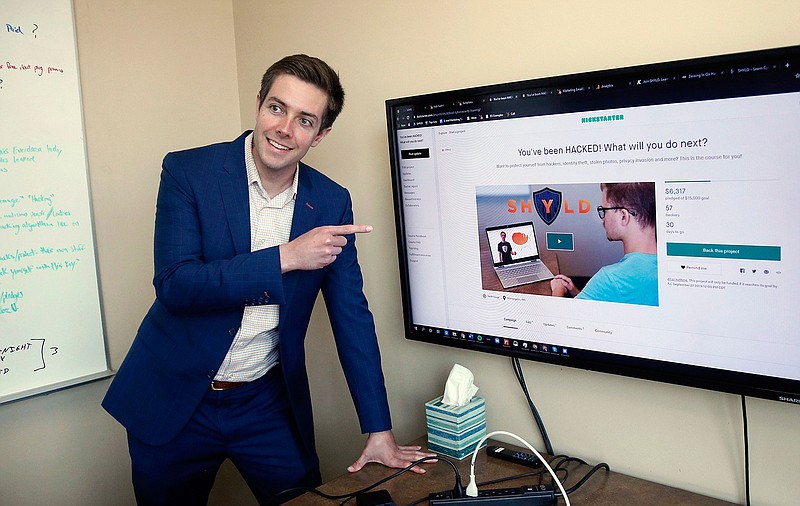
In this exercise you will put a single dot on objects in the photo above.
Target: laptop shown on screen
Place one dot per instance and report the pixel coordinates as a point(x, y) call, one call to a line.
point(515, 256)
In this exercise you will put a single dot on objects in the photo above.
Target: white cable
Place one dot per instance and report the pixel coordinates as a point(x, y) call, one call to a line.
point(472, 488)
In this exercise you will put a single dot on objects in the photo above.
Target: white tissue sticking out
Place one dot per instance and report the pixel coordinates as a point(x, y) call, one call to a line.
point(459, 389)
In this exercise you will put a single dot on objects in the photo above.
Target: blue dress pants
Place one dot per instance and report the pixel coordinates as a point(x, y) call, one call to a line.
point(251, 425)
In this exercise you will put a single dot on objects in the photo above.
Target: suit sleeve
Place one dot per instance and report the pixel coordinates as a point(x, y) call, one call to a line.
point(192, 273)
point(354, 330)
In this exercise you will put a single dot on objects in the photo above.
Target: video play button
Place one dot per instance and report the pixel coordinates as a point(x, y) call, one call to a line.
point(560, 241)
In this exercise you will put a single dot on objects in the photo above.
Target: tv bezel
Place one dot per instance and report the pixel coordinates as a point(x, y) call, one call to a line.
point(727, 381)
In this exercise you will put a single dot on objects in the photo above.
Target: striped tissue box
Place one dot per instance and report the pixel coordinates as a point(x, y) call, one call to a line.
point(455, 430)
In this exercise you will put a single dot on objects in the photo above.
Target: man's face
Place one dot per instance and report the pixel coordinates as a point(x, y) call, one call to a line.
point(287, 124)
point(611, 221)
point(502, 236)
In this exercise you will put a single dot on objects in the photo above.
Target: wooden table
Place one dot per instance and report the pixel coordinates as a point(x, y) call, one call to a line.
point(602, 489)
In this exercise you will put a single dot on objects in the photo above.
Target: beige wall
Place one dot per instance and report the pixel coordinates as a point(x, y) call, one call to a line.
point(158, 76)
point(685, 437)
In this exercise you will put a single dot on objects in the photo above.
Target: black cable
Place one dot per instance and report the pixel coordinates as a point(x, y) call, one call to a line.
point(556, 469)
point(521, 379)
point(419, 501)
point(746, 454)
point(458, 489)
point(561, 465)
point(392, 476)
point(565, 459)
point(586, 477)
point(518, 476)
point(404, 470)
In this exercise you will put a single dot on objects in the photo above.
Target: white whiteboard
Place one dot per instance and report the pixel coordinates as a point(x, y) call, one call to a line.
point(51, 325)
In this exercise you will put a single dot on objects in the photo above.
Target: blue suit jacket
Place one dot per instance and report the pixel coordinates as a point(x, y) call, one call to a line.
point(205, 274)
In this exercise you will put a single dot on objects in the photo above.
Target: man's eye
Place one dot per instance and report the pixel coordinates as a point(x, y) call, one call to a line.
point(306, 122)
point(275, 108)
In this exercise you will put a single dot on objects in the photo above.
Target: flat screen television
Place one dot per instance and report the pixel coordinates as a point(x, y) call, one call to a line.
point(691, 277)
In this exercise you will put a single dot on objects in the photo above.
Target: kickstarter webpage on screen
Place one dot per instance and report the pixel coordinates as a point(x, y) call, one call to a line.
point(726, 181)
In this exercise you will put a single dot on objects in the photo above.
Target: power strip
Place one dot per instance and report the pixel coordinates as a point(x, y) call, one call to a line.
point(528, 495)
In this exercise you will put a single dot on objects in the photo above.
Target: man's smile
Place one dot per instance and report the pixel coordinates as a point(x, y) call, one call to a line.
point(278, 146)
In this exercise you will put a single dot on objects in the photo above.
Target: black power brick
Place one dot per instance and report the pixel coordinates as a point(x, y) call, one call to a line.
point(376, 498)
point(528, 495)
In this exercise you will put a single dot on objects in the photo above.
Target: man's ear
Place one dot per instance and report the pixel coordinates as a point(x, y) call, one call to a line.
point(321, 135)
point(627, 218)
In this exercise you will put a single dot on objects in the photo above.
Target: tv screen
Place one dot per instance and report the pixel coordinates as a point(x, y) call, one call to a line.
point(638, 221)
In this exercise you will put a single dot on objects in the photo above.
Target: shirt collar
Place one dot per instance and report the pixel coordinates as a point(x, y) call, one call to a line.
point(252, 172)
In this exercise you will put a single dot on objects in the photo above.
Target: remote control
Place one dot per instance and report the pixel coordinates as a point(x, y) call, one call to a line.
point(501, 452)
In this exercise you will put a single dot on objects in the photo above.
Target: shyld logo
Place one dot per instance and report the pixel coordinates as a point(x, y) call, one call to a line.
point(548, 205)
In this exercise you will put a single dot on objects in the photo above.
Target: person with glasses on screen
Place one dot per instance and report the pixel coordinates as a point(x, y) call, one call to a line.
point(246, 237)
point(628, 212)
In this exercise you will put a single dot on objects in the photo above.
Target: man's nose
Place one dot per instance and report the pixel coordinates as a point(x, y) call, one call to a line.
point(285, 127)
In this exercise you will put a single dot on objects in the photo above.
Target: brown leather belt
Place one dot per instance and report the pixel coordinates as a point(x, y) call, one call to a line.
point(218, 386)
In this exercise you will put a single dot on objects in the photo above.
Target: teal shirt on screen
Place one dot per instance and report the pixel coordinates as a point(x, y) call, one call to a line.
point(632, 280)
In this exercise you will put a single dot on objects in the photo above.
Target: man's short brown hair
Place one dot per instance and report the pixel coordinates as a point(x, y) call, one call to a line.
point(637, 197)
point(312, 71)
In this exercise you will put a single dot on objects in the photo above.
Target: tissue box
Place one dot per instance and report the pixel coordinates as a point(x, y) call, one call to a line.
point(455, 430)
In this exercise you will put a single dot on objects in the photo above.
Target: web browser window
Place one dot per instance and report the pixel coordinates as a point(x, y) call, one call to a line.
point(716, 149)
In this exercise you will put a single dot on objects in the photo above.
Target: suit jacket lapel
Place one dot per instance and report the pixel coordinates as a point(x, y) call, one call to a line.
point(303, 220)
point(305, 212)
point(233, 186)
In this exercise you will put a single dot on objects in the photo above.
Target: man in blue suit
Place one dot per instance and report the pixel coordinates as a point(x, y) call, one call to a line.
point(246, 236)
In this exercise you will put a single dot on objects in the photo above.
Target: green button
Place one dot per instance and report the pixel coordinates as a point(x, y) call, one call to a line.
point(735, 251)
point(560, 241)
